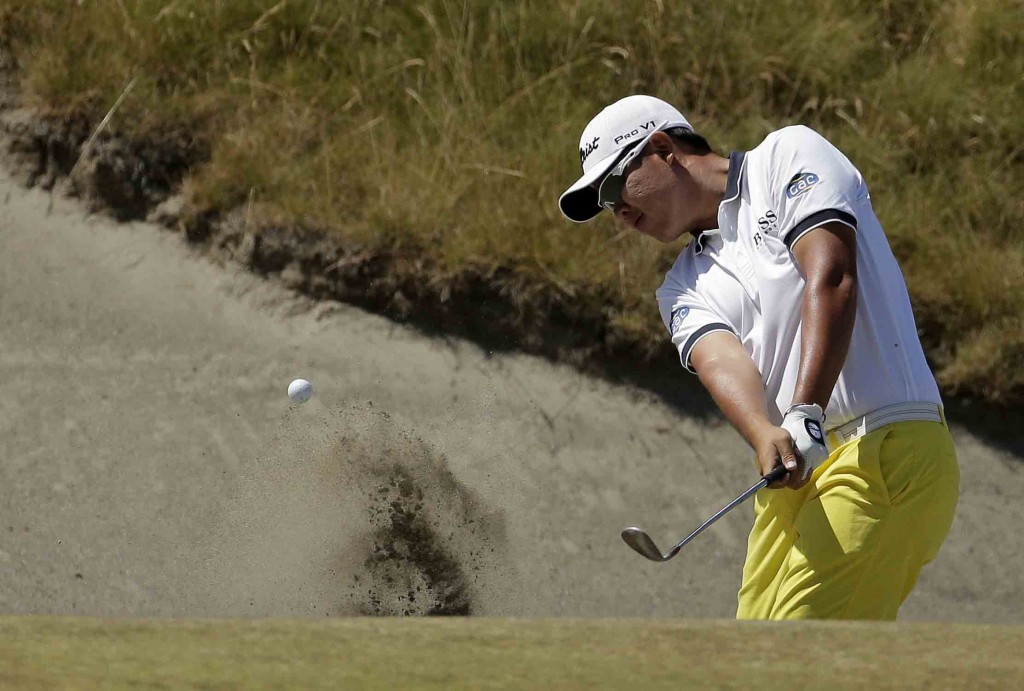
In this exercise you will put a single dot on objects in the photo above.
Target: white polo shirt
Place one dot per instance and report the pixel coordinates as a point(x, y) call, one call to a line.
point(744, 279)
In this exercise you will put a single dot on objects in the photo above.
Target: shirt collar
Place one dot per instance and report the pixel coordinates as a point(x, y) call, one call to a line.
point(704, 239)
point(733, 185)
point(733, 182)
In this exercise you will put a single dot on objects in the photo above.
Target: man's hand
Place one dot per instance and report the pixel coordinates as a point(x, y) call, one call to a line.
point(774, 447)
point(798, 445)
point(805, 423)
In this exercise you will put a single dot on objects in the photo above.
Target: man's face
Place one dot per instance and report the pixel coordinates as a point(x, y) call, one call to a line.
point(658, 194)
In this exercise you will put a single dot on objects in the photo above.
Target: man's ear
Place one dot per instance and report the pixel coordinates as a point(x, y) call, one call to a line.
point(661, 143)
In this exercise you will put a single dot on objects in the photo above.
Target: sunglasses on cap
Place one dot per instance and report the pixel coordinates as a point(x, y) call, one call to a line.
point(609, 192)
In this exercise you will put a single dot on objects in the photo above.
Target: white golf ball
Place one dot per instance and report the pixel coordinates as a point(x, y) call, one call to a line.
point(300, 391)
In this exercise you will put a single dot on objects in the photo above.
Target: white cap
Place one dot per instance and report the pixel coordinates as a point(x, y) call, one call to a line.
point(625, 124)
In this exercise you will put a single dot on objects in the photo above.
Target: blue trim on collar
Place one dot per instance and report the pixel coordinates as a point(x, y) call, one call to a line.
point(700, 242)
point(732, 184)
point(732, 192)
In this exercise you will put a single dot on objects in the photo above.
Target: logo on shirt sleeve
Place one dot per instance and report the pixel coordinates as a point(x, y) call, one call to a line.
point(800, 184)
point(677, 318)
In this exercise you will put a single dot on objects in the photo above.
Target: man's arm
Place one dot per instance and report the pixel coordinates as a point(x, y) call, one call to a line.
point(731, 377)
point(828, 260)
point(827, 257)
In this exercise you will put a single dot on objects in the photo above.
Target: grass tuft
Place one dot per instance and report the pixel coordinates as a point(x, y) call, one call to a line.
point(447, 129)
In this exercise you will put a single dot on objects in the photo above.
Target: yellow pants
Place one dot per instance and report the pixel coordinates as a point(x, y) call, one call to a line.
point(851, 543)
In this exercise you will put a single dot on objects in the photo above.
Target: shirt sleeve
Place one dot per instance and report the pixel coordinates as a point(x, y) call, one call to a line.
point(812, 183)
point(688, 319)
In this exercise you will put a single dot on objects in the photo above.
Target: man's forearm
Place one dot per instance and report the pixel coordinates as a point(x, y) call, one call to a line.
point(828, 258)
point(734, 382)
point(829, 310)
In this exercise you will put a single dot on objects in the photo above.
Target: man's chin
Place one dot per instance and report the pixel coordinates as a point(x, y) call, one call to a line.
point(666, 236)
point(662, 232)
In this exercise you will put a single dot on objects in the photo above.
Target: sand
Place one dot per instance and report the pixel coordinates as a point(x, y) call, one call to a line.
point(152, 465)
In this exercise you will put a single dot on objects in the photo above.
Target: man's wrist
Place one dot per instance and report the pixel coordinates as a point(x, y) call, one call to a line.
point(811, 410)
point(758, 430)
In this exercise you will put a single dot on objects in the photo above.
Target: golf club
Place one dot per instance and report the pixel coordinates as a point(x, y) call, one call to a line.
point(642, 542)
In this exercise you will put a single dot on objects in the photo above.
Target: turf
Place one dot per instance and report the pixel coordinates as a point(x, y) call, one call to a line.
point(503, 653)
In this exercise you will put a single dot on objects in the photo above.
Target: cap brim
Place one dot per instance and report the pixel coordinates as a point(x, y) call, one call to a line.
point(579, 202)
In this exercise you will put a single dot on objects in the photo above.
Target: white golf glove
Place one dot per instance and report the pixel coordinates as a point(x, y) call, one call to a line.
point(805, 423)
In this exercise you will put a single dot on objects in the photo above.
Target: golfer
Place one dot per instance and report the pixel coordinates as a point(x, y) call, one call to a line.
point(791, 309)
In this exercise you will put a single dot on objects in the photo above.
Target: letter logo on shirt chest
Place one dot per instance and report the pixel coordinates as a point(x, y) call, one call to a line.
point(768, 223)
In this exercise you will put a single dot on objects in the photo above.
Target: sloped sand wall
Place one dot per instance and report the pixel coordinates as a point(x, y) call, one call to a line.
point(152, 465)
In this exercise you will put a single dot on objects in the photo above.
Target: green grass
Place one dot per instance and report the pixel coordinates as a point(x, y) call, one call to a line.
point(443, 131)
point(503, 653)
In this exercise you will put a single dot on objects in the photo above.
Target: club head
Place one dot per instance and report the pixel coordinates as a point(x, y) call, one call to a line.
point(642, 544)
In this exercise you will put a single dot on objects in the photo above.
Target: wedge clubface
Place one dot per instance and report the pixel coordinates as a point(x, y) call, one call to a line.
point(643, 544)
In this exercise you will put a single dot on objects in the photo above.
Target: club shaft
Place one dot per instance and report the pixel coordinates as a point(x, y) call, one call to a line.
point(726, 509)
point(641, 542)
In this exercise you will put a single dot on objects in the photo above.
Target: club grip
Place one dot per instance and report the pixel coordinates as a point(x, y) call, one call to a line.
point(777, 473)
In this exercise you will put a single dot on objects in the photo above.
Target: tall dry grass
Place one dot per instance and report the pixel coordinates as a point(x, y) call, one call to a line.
point(447, 129)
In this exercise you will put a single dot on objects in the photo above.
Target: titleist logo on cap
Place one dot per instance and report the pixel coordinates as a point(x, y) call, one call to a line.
point(589, 148)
